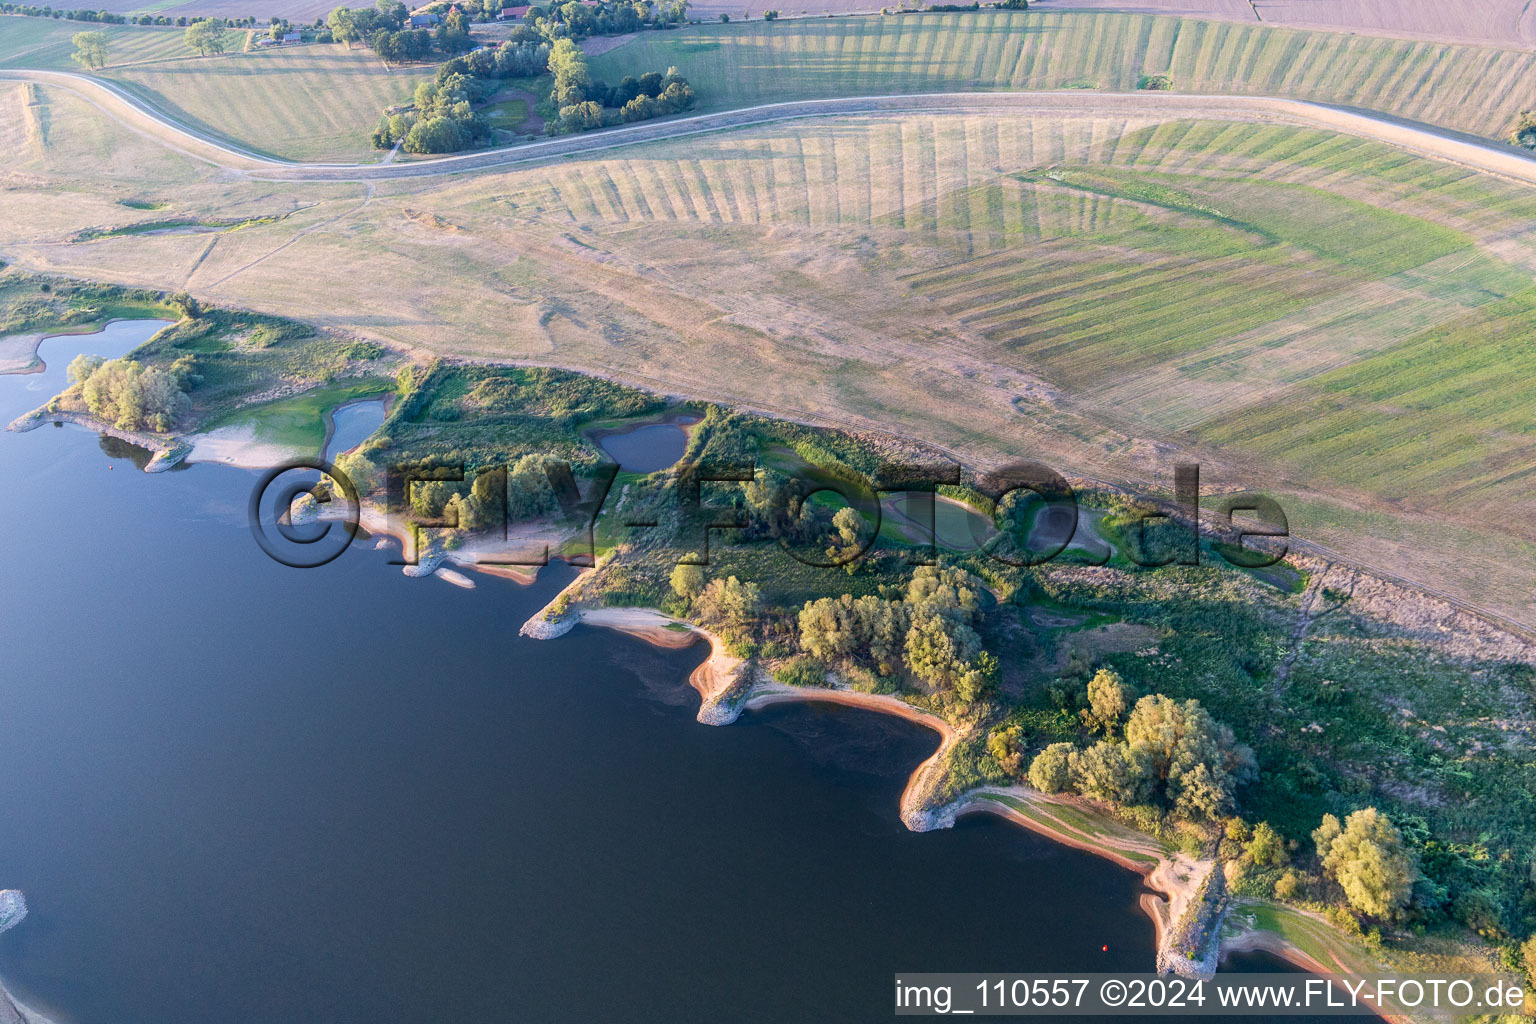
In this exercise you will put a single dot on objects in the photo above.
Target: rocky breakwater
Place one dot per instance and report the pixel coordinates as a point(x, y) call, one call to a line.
point(1191, 947)
point(552, 621)
point(167, 450)
point(13, 907)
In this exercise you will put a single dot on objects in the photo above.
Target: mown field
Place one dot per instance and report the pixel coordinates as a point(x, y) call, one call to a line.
point(308, 102)
point(1469, 88)
point(1499, 22)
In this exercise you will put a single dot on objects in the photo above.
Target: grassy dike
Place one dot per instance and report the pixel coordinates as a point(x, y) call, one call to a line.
point(1324, 647)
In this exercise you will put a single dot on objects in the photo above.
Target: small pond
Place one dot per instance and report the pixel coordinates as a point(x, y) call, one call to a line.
point(352, 424)
point(648, 448)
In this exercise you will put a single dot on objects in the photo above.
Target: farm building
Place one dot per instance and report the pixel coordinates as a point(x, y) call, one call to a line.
point(511, 13)
point(424, 20)
point(292, 37)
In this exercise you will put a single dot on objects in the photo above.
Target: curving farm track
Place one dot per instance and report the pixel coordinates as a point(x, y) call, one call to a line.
point(1425, 140)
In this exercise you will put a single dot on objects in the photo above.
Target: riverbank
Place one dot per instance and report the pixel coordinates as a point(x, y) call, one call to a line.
point(728, 686)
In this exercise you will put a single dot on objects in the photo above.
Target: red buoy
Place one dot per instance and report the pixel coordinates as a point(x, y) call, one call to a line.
point(1106, 949)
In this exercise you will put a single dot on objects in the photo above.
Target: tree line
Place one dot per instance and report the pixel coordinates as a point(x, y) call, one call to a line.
point(442, 118)
point(585, 103)
point(386, 30)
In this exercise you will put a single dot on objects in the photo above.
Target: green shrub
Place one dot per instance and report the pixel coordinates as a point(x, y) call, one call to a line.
point(801, 671)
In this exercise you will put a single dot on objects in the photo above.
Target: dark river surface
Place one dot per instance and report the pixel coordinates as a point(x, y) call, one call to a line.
point(235, 791)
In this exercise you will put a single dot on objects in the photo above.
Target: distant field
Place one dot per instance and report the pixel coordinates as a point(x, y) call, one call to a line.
point(1490, 22)
point(1497, 22)
point(320, 102)
point(296, 11)
point(307, 102)
point(1473, 89)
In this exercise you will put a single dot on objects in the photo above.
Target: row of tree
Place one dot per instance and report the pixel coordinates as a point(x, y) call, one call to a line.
point(573, 20)
point(103, 17)
point(386, 30)
point(519, 493)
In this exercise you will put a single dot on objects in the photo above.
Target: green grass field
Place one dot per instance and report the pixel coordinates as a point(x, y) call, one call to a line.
point(308, 102)
point(300, 422)
point(43, 43)
point(1474, 89)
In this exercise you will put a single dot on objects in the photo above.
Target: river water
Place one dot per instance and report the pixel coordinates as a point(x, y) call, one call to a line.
point(235, 791)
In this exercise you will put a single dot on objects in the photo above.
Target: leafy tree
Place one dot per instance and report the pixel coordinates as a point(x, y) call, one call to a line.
point(529, 492)
point(848, 524)
point(1528, 958)
point(92, 49)
point(583, 116)
point(206, 36)
point(1108, 699)
point(1050, 771)
point(1196, 762)
point(688, 580)
point(1266, 848)
point(186, 305)
point(1112, 772)
point(569, 66)
point(429, 498)
point(343, 25)
point(938, 649)
point(943, 590)
point(730, 601)
point(1006, 745)
point(1366, 857)
point(434, 135)
point(1524, 131)
point(849, 628)
point(131, 396)
point(82, 367)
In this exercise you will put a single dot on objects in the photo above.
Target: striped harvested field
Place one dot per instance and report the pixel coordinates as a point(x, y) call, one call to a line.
point(309, 102)
point(1470, 88)
point(306, 102)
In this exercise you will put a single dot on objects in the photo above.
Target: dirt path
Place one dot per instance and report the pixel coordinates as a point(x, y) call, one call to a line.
point(367, 198)
point(1306, 614)
point(1425, 140)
